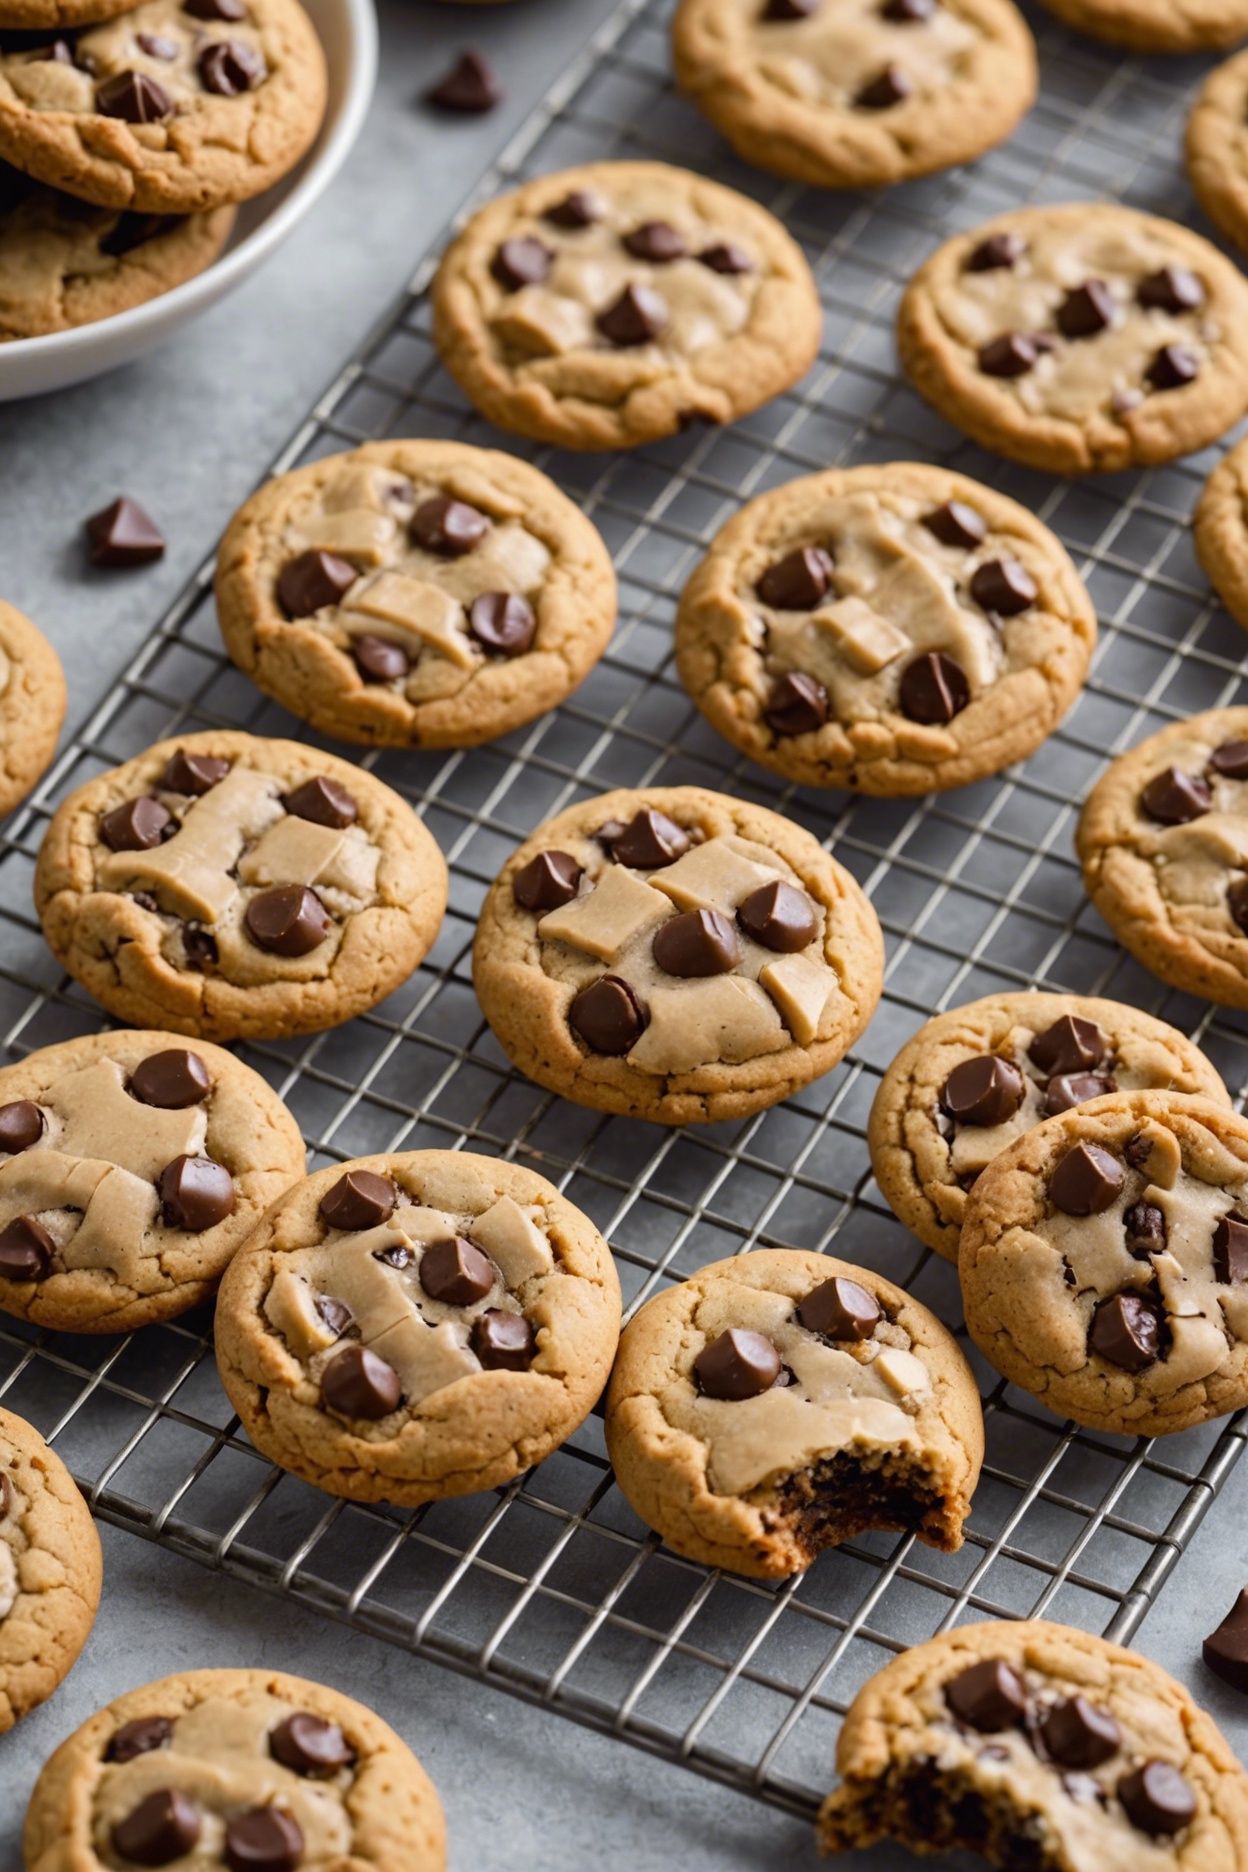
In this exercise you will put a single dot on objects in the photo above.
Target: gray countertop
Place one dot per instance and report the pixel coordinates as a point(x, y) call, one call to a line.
point(188, 432)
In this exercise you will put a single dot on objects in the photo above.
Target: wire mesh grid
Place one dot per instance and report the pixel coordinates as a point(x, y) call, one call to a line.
point(550, 1588)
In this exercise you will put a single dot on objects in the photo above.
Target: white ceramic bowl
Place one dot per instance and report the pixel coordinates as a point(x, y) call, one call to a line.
point(348, 32)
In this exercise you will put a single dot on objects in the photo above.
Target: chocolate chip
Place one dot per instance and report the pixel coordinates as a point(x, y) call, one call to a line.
point(780, 917)
point(312, 581)
point(1157, 1799)
point(1004, 586)
point(1231, 760)
point(797, 705)
point(696, 943)
point(547, 882)
point(135, 230)
point(798, 581)
point(122, 535)
point(608, 1016)
point(1137, 1151)
point(360, 1199)
point(988, 1695)
point(336, 1314)
point(448, 527)
point(580, 209)
point(395, 1256)
point(162, 1828)
point(521, 261)
point(309, 1745)
point(231, 10)
point(956, 524)
point(657, 241)
point(356, 1383)
point(790, 9)
point(503, 623)
point(289, 920)
point(1077, 1734)
point(998, 251)
point(1172, 289)
point(1125, 1331)
point(907, 12)
point(1013, 354)
point(468, 87)
point(985, 1090)
point(1173, 368)
point(157, 47)
point(228, 67)
point(193, 774)
point(726, 257)
point(264, 1839)
point(1237, 903)
point(137, 825)
point(171, 1080)
point(635, 318)
point(6, 1495)
point(200, 945)
point(933, 689)
point(133, 96)
point(323, 802)
point(26, 1250)
point(1070, 1045)
point(737, 1364)
point(1086, 310)
point(1144, 1230)
point(456, 1272)
point(503, 1341)
point(379, 660)
point(139, 1737)
point(195, 1194)
point(1066, 1090)
point(840, 1308)
point(21, 1125)
point(1175, 798)
point(650, 838)
point(892, 86)
point(1086, 1181)
point(1230, 1248)
point(1225, 1650)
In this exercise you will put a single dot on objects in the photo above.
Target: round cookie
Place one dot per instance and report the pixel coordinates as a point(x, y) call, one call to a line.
point(677, 955)
point(1157, 25)
point(894, 628)
point(252, 1767)
point(1163, 839)
point(50, 1570)
point(53, 15)
point(974, 1079)
point(131, 1167)
point(779, 1403)
point(1220, 529)
point(32, 705)
point(852, 93)
point(408, 1327)
point(1079, 339)
point(1104, 1262)
point(233, 887)
point(610, 305)
point(170, 108)
point(1216, 145)
point(1038, 1745)
point(415, 594)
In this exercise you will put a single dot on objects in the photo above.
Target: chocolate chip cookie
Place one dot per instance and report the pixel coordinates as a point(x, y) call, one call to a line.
point(973, 1080)
point(405, 1328)
point(893, 628)
point(1079, 339)
point(49, 1570)
point(1220, 529)
point(1217, 145)
point(1036, 1745)
point(1157, 25)
point(415, 594)
point(610, 305)
point(1163, 838)
point(32, 704)
point(676, 955)
point(171, 108)
point(1104, 1262)
point(232, 887)
point(248, 1769)
point(779, 1403)
point(852, 93)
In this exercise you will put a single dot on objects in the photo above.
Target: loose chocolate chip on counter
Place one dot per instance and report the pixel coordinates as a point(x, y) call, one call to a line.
point(1013, 354)
point(336, 1314)
point(1231, 760)
point(1086, 310)
point(308, 1745)
point(171, 1080)
point(323, 802)
point(195, 1194)
point(797, 705)
point(696, 943)
point(983, 1091)
point(798, 581)
point(933, 689)
point(26, 1250)
point(1237, 903)
point(580, 209)
point(137, 825)
point(657, 241)
point(1126, 1332)
point(503, 623)
point(193, 774)
point(231, 10)
point(1172, 289)
point(547, 882)
point(726, 257)
point(997, 252)
point(1070, 1045)
point(162, 1828)
point(892, 86)
point(1230, 1248)
point(456, 1272)
point(736, 1365)
point(1086, 1181)
point(650, 838)
point(956, 524)
point(635, 318)
point(1175, 797)
point(521, 261)
point(228, 67)
point(790, 9)
point(139, 1737)
point(1225, 1650)
point(357, 1383)
point(779, 916)
point(21, 1125)
point(989, 1695)
point(360, 1199)
point(908, 12)
point(289, 920)
point(608, 1016)
point(264, 1839)
point(1173, 368)
point(1004, 586)
point(379, 660)
point(503, 1341)
point(1078, 1735)
point(134, 97)
point(1066, 1090)
point(122, 534)
point(448, 527)
point(312, 581)
point(840, 1309)
point(469, 86)
point(157, 47)
point(1144, 1230)
point(1157, 1799)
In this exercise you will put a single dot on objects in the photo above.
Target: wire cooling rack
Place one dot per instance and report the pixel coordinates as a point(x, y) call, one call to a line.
point(550, 1588)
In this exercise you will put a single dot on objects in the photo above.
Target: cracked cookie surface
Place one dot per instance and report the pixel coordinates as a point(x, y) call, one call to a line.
point(1157, 25)
point(612, 304)
point(781, 1402)
point(1216, 145)
point(893, 628)
point(239, 1767)
point(974, 1079)
point(50, 1570)
point(32, 705)
point(854, 93)
point(228, 886)
point(1080, 338)
point(1220, 529)
point(415, 594)
point(414, 1326)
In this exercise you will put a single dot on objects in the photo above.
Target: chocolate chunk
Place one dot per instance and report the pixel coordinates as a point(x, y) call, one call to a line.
point(1013, 354)
point(231, 10)
point(650, 838)
point(21, 1125)
point(1231, 760)
point(1173, 368)
point(468, 87)
point(360, 1199)
point(156, 46)
point(1086, 1181)
point(139, 1737)
point(1077, 1734)
point(988, 1695)
point(289, 920)
point(580, 209)
point(448, 527)
point(726, 257)
point(547, 882)
point(379, 660)
point(1157, 1799)
point(228, 67)
point(1066, 1090)
point(996, 252)
point(26, 1250)
point(657, 241)
point(956, 524)
point(1137, 1151)
point(1125, 1331)
point(503, 1341)
point(195, 1194)
point(263, 1839)
point(503, 623)
point(135, 230)
point(907, 12)
point(983, 1091)
point(456, 1272)
point(933, 689)
point(780, 917)
point(171, 1080)
point(122, 534)
point(840, 1309)
point(336, 1314)
point(1004, 586)
point(356, 1383)
point(608, 1016)
point(1144, 1230)
point(1172, 289)
point(200, 945)
point(6, 1495)
point(1230, 1248)
point(521, 261)
point(737, 1364)
point(395, 1256)
point(797, 704)
point(636, 317)
point(892, 86)
point(1237, 903)
point(696, 943)
point(1070, 1045)
point(798, 581)
point(1225, 1650)
point(193, 774)
point(312, 581)
point(162, 1828)
point(324, 802)
point(1175, 798)
point(308, 1745)
point(138, 825)
point(1086, 310)
point(134, 97)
